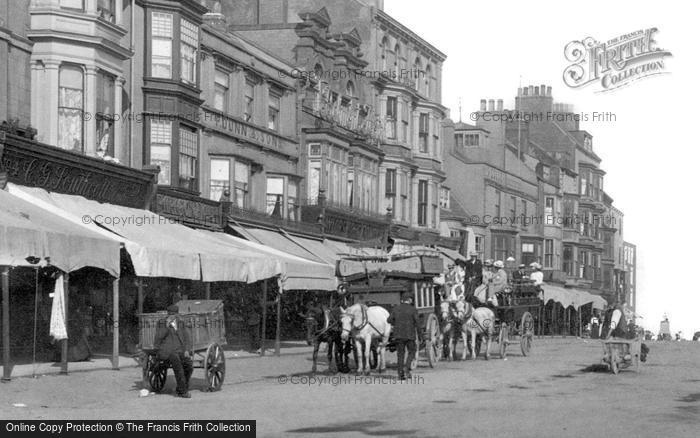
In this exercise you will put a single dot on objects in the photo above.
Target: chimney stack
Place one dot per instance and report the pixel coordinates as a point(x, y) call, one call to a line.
point(483, 104)
point(499, 105)
point(491, 107)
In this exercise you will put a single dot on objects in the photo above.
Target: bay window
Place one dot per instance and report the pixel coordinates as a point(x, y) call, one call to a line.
point(161, 147)
point(70, 107)
point(314, 181)
point(445, 198)
point(106, 10)
point(189, 42)
point(390, 190)
point(435, 207)
point(422, 203)
point(404, 196)
point(189, 153)
point(404, 121)
point(104, 118)
point(391, 112)
point(161, 45)
point(423, 129)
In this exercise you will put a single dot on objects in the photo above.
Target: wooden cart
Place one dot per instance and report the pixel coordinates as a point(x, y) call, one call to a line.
point(205, 320)
point(380, 281)
point(622, 353)
point(514, 316)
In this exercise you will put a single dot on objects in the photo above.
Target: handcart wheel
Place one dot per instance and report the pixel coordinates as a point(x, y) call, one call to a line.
point(154, 373)
point(214, 367)
point(614, 362)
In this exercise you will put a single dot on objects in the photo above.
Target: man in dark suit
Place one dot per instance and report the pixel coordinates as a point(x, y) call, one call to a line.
point(473, 273)
point(520, 273)
point(173, 344)
point(404, 320)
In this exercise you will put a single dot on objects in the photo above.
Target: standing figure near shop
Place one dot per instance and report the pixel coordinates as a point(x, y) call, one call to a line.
point(404, 319)
point(173, 344)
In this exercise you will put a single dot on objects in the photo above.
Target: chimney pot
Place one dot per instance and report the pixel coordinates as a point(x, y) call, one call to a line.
point(491, 107)
point(543, 89)
point(537, 91)
point(531, 90)
point(549, 91)
point(483, 105)
point(499, 104)
point(520, 91)
point(524, 91)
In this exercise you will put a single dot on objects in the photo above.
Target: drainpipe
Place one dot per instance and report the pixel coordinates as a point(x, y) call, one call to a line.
point(131, 84)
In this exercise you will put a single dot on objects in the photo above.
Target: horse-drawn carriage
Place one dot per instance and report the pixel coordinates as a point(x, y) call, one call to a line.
point(205, 321)
point(514, 316)
point(374, 281)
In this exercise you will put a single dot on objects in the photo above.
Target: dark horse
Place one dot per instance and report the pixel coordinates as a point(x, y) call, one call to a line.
point(323, 326)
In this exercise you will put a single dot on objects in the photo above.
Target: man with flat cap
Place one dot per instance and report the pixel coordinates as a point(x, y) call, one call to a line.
point(173, 344)
point(404, 320)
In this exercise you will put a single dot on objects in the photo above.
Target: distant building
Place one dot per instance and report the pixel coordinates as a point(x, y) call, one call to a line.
point(630, 264)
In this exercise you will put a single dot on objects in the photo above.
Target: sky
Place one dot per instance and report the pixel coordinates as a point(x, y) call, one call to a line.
point(648, 150)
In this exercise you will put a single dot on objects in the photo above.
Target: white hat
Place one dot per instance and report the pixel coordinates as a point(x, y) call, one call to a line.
point(498, 264)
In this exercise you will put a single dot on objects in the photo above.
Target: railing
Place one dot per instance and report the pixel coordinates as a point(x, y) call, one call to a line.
point(258, 217)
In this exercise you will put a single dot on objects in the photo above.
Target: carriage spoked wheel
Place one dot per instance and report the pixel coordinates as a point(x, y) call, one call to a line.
point(433, 343)
point(503, 340)
point(154, 373)
point(527, 332)
point(214, 367)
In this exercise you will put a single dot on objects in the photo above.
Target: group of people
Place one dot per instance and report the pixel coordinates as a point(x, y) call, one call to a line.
point(485, 282)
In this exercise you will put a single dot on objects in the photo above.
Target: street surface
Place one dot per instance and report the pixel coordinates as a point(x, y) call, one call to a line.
point(554, 392)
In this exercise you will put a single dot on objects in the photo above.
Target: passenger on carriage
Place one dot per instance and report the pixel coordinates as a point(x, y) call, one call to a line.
point(498, 283)
point(520, 273)
point(473, 272)
point(537, 277)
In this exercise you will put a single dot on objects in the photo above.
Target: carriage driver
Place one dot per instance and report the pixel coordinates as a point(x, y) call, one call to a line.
point(172, 342)
point(404, 320)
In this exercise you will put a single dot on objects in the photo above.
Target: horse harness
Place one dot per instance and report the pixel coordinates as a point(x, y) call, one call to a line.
point(365, 322)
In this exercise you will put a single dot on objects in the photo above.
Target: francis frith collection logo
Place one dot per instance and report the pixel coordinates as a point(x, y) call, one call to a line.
point(614, 63)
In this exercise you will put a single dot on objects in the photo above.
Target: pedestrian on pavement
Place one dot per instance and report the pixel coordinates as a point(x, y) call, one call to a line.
point(253, 320)
point(173, 344)
point(404, 320)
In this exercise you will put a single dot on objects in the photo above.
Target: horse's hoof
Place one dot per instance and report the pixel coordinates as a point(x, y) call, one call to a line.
point(367, 373)
point(380, 371)
point(488, 357)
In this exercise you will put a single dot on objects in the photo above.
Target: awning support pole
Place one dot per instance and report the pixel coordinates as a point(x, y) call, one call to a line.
point(207, 291)
point(278, 331)
point(64, 342)
point(264, 318)
point(6, 365)
point(115, 318)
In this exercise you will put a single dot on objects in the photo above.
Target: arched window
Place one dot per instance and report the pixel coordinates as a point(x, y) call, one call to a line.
point(318, 72)
point(70, 107)
point(350, 89)
point(417, 75)
point(397, 62)
point(383, 52)
point(428, 81)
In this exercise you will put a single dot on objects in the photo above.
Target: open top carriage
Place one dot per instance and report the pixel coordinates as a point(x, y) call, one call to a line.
point(381, 281)
point(205, 321)
point(514, 315)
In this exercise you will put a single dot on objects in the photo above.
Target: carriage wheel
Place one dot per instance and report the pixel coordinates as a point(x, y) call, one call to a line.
point(527, 325)
point(433, 344)
point(214, 367)
point(154, 373)
point(614, 361)
point(503, 340)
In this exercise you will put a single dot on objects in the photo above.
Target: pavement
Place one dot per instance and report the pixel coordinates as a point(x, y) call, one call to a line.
point(104, 362)
point(560, 390)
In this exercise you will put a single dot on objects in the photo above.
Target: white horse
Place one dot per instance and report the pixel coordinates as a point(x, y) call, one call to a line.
point(481, 322)
point(365, 324)
point(454, 314)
